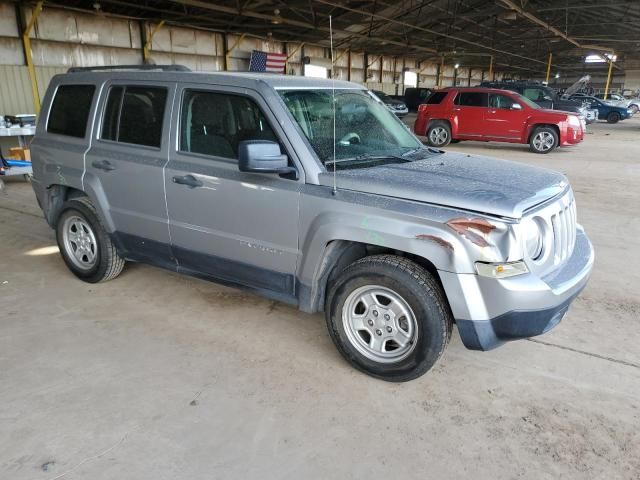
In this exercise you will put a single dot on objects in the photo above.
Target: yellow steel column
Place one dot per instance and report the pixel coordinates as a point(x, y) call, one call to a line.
point(606, 88)
point(227, 55)
point(26, 43)
point(147, 45)
point(549, 68)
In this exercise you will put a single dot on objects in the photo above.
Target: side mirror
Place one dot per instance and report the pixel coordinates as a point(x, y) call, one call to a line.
point(262, 156)
point(516, 106)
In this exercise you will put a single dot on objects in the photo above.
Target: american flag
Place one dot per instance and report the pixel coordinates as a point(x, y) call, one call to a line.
point(267, 62)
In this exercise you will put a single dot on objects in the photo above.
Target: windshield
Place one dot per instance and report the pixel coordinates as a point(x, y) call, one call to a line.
point(364, 128)
point(527, 101)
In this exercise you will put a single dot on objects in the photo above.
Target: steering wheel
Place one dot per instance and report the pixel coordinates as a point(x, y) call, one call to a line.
point(350, 139)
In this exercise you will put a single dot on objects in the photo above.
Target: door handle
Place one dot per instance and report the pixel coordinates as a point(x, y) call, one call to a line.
point(188, 180)
point(105, 165)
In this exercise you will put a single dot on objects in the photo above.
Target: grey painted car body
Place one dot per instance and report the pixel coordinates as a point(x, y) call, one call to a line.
point(285, 237)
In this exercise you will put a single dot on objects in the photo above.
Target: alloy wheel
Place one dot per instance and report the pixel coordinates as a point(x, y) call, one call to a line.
point(438, 136)
point(543, 141)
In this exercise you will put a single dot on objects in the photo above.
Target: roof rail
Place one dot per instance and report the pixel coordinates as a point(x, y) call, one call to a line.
point(164, 68)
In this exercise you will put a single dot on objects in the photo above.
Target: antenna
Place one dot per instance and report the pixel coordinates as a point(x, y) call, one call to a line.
point(333, 104)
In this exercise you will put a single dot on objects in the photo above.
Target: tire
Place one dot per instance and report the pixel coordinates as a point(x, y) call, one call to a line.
point(613, 117)
point(455, 140)
point(543, 140)
point(95, 258)
point(439, 134)
point(417, 313)
point(634, 108)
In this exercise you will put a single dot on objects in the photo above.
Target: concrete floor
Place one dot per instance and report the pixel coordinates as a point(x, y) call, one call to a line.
point(160, 376)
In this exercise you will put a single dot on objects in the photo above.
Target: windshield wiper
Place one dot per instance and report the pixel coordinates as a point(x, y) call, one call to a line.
point(366, 157)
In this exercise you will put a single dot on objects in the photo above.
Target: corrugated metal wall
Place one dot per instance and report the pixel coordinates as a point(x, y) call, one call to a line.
point(64, 38)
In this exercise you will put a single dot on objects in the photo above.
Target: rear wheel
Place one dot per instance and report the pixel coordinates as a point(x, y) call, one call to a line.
point(613, 117)
point(84, 243)
point(543, 140)
point(388, 317)
point(439, 134)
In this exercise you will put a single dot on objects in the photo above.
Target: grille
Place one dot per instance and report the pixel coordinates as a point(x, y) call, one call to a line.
point(564, 232)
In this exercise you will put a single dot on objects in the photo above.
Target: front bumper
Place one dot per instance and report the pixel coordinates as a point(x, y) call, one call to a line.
point(401, 112)
point(489, 311)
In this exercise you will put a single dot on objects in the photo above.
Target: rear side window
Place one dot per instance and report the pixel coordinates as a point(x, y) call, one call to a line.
point(135, 115)
point(436, 98)
point(70, 110)
point(472, 99)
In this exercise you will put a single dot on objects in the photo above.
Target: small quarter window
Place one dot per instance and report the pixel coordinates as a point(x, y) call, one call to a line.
point(70, 110)
point(436, 98)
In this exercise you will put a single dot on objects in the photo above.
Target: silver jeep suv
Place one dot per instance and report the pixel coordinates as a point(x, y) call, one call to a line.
point(310, 192)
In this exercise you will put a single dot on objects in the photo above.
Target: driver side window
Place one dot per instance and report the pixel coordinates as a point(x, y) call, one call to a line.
point(500, 101)
point(215, 123)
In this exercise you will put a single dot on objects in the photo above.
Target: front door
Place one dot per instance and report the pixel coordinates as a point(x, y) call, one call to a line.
point(125, 167)
point(502, 119)
point(234, 226)
point(470, 108)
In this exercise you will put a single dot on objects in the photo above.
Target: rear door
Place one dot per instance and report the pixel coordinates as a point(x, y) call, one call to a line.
point(125, 166)
point(224, 223)
point(502, 120)
point(469, 112)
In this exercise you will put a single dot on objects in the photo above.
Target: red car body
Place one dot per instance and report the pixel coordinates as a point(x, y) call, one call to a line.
point(488, 114)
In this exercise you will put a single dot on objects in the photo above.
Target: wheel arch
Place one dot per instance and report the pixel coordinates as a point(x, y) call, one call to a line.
point(339, 254)
point(533, 126)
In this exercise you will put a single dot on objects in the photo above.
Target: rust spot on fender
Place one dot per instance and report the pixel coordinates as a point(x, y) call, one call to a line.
point(435, 239)
point(466, 227)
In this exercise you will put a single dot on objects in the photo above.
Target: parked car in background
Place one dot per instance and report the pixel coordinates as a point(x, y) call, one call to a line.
point(396, 106)
point(606, 110)
point(415, 96)
point(632, 104)
point(493, 115)
point(308, 191)
point(544, 96)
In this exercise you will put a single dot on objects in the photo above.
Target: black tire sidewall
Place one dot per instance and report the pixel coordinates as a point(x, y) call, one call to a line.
point(78, 208)
point(556, 140)
point(613, 117)
point(432, 328)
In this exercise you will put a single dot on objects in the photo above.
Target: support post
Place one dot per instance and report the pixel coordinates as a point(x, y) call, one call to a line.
point(147, 46)
point(440, 72)
point(349, 66)
point(548, 68)
point(228, 51)
point(491, 78)
point(28, 57)
point(366, 67)
point(381, 71)
point(469, 82)
point(606, 88)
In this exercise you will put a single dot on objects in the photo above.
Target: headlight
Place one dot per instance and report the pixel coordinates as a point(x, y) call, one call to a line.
point(573, 121)
point(533, 238)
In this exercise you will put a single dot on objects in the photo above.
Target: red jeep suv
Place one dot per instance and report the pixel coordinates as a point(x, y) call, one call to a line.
point(493, 115)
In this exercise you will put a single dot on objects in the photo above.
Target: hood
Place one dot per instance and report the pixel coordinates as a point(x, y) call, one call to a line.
point(469, 182)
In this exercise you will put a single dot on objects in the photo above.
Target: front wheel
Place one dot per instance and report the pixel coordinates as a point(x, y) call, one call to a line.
point(439, 134)
point(634, 108)
point(543, 140)
point(84, 243)
point(613, 117)
point(388, 317)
